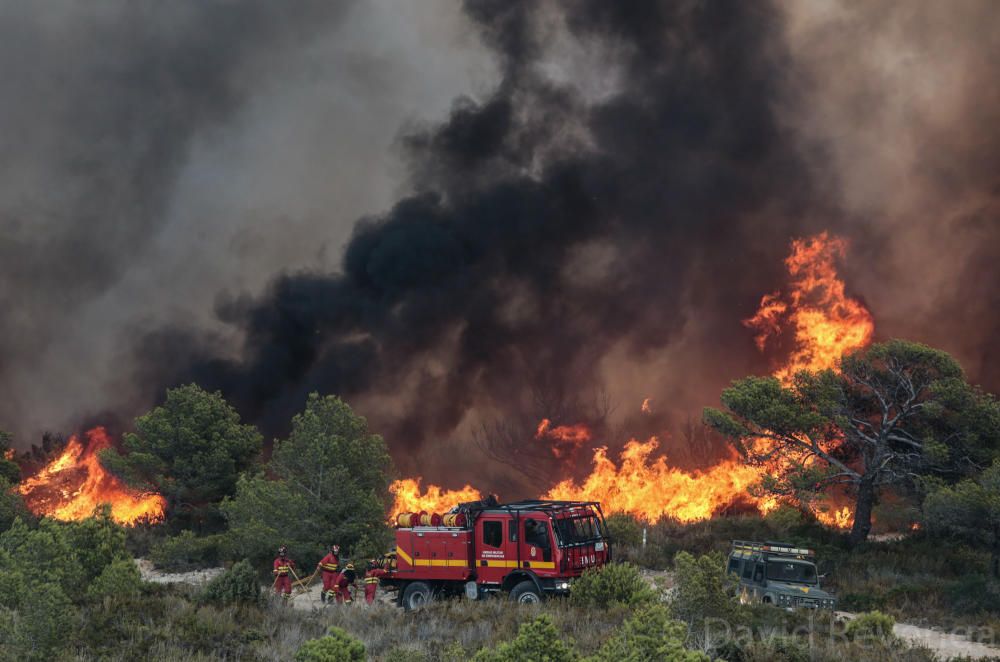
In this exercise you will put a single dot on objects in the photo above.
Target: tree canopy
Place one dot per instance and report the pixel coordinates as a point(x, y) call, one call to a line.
point(8, 468)
point(191, 449)
point(969, 510)
point(890, 413)
point(328, 482)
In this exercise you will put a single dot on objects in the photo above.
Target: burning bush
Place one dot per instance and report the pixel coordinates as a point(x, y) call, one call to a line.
point(191, 449)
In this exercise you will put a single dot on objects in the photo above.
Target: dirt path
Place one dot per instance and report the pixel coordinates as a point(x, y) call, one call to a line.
point(195, 577)
point(945, 645)
point(301, 600)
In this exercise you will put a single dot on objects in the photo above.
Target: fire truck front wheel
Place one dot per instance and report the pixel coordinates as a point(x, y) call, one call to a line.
point(525, 593)
point(416, 595)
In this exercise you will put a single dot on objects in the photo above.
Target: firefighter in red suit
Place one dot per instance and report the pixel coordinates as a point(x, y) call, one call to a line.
point(373, 575)
point(345, 581)
point(329, 566)
point(282, 573)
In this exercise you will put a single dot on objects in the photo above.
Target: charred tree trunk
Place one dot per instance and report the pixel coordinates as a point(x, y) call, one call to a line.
point(863, 512)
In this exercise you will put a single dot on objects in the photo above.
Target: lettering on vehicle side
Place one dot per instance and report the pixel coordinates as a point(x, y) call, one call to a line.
point(492, 554)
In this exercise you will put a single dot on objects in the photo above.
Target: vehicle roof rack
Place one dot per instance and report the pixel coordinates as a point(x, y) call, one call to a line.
point(543, 505)
point(774, 548)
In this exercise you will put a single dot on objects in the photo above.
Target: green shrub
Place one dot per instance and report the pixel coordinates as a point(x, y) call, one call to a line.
point(703, 589)
point(96, 541)
point(871, 625)
point(615, 583)
point(780, 649)
point(974, 594)
point(47, 551)
point(536, 640)
point(649, 634)
point(860, 602)
point(624, 529)
point(186, 551)
point(238, 585)
point(119, 579)
point(43, 625)
point(327, 482)
point(405, 654)
point(11, 504)
point(783, 519)
point(336, 646)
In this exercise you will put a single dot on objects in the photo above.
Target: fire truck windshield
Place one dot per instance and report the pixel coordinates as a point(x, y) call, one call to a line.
point(576, 530)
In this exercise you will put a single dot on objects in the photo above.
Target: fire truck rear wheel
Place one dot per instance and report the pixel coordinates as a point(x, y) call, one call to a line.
point(525, 593)
point(416, 595)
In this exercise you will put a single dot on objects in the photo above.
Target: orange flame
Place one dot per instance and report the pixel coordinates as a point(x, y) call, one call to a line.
point(826, 323)
point(408, 498)
point(838, 519)
point(565, 438)
point(74, 484)
point(645, 406)
point(651, 489)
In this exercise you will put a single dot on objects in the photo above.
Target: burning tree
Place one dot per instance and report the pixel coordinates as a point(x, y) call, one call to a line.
point(191, 449)
point(545, 436)
point(895, 411)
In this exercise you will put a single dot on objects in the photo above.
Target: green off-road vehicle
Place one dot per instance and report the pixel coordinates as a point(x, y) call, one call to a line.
point(779, 574)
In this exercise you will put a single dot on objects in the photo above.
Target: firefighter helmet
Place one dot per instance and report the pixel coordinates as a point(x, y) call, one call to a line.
point(282, 551)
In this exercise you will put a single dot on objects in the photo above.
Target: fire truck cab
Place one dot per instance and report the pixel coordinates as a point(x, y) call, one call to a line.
point(528, 550)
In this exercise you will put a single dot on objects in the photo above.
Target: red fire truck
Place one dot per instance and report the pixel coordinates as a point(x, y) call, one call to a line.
point(529, 550)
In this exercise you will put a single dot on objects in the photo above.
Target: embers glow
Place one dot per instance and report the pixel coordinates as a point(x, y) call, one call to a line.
point(565, 439)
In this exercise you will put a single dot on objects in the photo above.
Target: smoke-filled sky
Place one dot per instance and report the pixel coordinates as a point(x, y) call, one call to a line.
point(438, 210)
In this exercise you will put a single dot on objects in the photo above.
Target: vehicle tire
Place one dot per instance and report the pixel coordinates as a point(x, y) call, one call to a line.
point(526, 593)
point(416, 595)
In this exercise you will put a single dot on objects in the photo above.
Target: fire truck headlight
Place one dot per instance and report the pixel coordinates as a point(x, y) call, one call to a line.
point(562, 586)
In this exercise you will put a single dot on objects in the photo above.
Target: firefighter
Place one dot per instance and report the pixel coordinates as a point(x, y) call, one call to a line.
point(329, 565)
point(373, 575)
point(345, 581)
point(283, 566)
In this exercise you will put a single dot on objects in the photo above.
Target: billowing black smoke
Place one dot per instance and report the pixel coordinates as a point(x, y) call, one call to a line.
point(591, 228)
point(547, 229)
